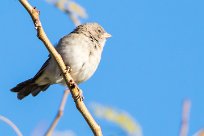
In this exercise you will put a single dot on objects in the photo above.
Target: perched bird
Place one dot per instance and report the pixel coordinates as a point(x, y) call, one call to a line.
point(81, 51)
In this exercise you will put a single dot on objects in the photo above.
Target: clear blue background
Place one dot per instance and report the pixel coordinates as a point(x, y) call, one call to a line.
point(151, 64)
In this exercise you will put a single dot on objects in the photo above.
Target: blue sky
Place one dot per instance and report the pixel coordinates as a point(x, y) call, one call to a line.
point(151, 64)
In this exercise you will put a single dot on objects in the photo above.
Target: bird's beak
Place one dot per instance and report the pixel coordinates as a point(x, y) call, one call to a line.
point(107, 35)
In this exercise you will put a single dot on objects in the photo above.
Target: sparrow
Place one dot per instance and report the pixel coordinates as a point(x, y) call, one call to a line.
point(80, 50)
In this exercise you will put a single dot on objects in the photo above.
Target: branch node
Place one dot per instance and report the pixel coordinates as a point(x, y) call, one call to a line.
point(79, 96)
point(60, 113)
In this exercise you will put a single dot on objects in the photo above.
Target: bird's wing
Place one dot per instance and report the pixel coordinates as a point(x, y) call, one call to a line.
point(42, 69)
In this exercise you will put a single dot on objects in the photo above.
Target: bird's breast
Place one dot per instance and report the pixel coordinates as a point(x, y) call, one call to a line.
point(85, 65)
point(83, 58)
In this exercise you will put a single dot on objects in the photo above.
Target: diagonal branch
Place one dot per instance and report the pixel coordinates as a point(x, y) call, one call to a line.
point(65, 95)
point(59, 114)
point(185, 118)
point(74, 19)
point(34, 13)
point(11, 124)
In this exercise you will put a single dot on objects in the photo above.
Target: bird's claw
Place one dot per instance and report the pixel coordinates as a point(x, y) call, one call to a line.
point(68, 69)
point(79, 96)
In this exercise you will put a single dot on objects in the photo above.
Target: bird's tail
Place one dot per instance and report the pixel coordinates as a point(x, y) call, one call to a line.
point(28, 87)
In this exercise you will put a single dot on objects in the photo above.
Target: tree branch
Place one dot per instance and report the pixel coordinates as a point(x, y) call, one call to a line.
point(11, 124)
point(34, 13)
point(59, 114)
point(66, 92)
point(74, 19)
point(185, 118)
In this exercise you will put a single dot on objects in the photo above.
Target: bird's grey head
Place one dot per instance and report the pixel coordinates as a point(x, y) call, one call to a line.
point(94, 31)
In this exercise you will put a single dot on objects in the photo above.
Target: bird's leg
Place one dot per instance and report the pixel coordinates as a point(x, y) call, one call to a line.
point(80, 94)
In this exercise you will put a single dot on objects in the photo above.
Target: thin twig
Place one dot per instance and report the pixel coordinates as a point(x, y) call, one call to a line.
point(74, 19)
point(185, 118)
point(34, 13)
point(60, 5)
point(11, 124)
point(59, 114)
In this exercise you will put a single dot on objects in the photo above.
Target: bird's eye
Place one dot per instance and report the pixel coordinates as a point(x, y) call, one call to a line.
point(99, 30)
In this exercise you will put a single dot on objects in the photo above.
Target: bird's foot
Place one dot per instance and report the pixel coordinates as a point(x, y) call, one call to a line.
point(79, 96)
point(68, 69)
